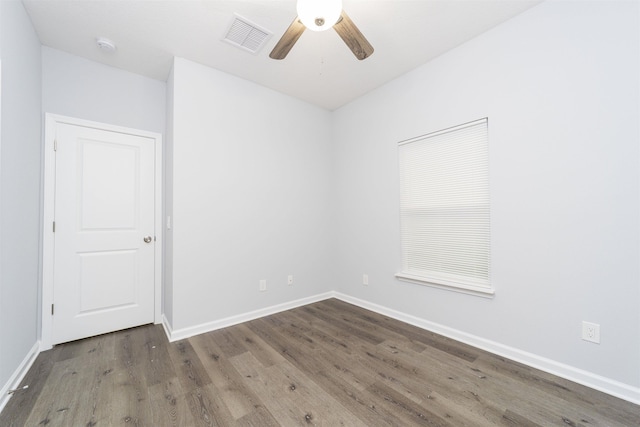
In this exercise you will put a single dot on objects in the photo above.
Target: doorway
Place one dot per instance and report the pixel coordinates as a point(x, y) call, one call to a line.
point(101, 231)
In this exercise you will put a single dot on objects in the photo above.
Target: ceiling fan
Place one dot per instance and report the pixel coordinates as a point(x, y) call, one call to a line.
point(320, 15)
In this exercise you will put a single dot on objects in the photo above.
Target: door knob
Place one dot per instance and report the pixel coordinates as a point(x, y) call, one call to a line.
point(147, 239)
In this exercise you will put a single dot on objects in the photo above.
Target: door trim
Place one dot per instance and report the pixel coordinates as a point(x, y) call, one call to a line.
point(48, 241)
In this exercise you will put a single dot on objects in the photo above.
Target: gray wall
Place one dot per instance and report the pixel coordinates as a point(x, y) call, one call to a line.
point(20, 153)
point(559, 85)
point(76, 87)
point(251, 198)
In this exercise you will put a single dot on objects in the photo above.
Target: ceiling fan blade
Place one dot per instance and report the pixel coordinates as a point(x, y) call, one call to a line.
point(352, 36)
point(288, 39)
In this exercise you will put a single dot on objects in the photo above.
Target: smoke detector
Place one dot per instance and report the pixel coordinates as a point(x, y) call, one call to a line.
point(106, 45)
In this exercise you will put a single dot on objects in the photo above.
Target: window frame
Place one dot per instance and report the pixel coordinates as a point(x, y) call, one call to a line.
point(471, 284)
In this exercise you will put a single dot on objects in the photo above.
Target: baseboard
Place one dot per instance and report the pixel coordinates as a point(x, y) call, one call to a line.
point(166, 325)
point(597, 382)
point(178, 334)
point(19, 374)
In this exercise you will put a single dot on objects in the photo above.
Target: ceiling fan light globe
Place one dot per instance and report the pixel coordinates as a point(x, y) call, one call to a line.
point(319, 15)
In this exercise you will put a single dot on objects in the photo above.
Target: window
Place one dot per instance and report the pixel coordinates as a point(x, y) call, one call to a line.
point(444, 209)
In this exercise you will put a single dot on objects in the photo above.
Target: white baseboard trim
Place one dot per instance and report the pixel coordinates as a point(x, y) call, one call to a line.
point(19, 374)
point(168, 330)
point(597, 382)
point(179, 334)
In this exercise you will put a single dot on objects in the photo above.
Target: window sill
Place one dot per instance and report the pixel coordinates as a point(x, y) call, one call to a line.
point(479, 291)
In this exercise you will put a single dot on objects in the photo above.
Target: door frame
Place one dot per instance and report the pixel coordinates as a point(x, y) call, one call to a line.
point(48, 241)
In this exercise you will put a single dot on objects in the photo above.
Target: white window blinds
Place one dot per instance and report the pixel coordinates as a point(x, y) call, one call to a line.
point(444, 208)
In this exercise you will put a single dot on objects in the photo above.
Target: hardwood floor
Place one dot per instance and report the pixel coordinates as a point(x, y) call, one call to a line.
point(326, 364)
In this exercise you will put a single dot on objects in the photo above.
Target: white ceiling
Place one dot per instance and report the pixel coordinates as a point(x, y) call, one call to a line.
point(320, 69)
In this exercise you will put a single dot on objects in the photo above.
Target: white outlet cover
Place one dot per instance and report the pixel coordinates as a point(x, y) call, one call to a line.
point(591, 332)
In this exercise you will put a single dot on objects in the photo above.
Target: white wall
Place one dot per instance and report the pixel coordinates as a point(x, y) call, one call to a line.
point(20, 154)
point(560, 86)
point(76, 87)
point(167, 289)
point(251, 198)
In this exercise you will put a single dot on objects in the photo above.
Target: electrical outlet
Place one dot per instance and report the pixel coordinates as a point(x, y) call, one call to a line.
point(591, 332)
point(290, 280)
point(365, 279)
point(263, 285)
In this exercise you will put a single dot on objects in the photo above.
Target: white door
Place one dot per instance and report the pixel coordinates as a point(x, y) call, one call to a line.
point(103, 267)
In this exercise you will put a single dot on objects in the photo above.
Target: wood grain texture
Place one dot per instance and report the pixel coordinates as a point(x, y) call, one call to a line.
point(169, 405)
point(288, 39)
point(353, 38)
point(325, 364)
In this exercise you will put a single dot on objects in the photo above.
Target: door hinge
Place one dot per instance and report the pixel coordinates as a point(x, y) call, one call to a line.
point(52, 309)
point(54, 226)
point(55, 145)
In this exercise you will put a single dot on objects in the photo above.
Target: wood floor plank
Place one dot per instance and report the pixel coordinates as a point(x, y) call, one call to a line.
point(410, 412)
point(462, 386)
point(260, 417)
point(293, 397)
point(169, 407)
point(513, 419)
point(414, 333)
point(22, 401)
point(329, 336)
point(131, 403)
point(85, 381)
point(228, 343)
point(259, 348)
point(456, 383)
point(344, 324)
point(328, 363)
point(101, 345)
point(572, 394)
point(129, 346)
point(401, 374)
point(356, 401)
point(500, 391)
point(540, 406)
point(189, 368)
point(237, 396)
point(145, 347)
point(333, 352)
point(460, 415)
point(280, 406)
point(207, 407)
point(318, 352)
point(361, 372)
point(326, 410)
point(51, 407)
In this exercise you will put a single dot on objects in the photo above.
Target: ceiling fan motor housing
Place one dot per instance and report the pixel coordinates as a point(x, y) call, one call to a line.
point(319, 15)
point(315, 20)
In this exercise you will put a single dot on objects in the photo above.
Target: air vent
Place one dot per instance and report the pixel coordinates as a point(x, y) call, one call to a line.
point(246, 35)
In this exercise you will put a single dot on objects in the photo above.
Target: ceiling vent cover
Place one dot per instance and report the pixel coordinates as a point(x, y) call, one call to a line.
point(246, 35)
